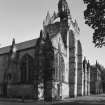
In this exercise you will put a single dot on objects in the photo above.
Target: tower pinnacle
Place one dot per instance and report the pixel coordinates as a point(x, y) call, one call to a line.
point(63, 10)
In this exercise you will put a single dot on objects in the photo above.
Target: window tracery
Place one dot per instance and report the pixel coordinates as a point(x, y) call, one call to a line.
point(27, 67)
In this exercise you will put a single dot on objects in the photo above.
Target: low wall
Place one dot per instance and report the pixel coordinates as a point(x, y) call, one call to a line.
point(19, 91)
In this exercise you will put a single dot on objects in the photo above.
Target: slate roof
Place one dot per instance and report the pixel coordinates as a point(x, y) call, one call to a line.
point(19, 46)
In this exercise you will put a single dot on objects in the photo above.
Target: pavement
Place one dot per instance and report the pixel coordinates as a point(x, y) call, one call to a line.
point(87, 100)
point(82, 100)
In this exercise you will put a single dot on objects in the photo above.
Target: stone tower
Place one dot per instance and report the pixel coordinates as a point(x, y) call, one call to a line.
point(67, 53)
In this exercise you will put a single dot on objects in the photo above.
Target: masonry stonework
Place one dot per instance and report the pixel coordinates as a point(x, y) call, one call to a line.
point(50, 67)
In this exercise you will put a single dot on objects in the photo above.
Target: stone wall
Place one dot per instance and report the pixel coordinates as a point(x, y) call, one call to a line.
point(30, 51)
point(3, 66)
point(20, 91)
point(79, 69)
point(95, 80)
point(72, 64)
point(3, 70)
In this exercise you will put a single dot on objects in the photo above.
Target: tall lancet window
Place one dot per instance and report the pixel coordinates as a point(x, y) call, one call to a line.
point(27, 69)
point(59, 65)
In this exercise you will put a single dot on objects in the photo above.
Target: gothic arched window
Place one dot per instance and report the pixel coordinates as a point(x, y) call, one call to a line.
point(59, 67)
point(27, 68)
point(62, 69)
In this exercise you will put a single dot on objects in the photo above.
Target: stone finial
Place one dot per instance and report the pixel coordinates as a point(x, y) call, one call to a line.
point(50, 19)
point(13, 49)
point(41, 34)
point(84, 62)
point(54, 16)
point(76, 27)
point(13, 41)
point(84, 58)
point(47, 19)
point(96, 63)
point(79, 48)
point(88, 64)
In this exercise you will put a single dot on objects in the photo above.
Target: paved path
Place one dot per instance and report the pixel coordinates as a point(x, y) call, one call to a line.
point(85, 100)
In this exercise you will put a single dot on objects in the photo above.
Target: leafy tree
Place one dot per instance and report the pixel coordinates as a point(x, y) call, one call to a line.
point(95, 18)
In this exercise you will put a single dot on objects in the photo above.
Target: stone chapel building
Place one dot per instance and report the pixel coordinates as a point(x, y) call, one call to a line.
point(49, 67)
point(92, 78)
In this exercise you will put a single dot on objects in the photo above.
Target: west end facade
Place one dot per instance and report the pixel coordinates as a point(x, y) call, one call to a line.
point(50, 67)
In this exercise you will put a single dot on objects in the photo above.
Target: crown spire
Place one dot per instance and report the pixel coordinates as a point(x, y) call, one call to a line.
point(63, 10)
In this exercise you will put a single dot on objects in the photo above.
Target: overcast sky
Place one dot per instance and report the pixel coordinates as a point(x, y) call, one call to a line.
point(22, 20)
